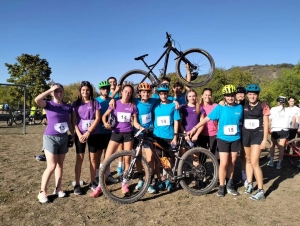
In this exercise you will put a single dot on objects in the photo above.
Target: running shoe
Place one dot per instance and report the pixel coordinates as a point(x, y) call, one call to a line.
point(119, 170)
point(151, 189)
point(42, 198)
point(249, 189)
point(169, 185)
point(246, 183)
point(221, 191)
point(125, 188)
point(93, 186)
point(77, 190)
point(112, 180)
point(278, 165)
point(259, 195)
point(96, 192)
point(231, 190)
point(139, 185)
point(59, 193)
point(160, 186)
point(270, 163)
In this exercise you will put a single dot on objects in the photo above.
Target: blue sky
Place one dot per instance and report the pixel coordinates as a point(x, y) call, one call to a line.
point(92, 40)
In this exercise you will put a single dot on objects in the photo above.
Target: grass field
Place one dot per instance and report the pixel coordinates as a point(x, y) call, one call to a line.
point(20, 177)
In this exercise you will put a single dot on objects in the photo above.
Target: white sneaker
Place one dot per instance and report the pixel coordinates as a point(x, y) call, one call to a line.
point(42, 198)
point(246, 183)
point(60, 194)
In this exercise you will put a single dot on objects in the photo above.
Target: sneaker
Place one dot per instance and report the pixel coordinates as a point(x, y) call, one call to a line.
point(259, 195)
point(270, 163)
point(119, 170)
point(77, 190)
point(93, 186)
point(112, 180)
point(278, 166)
point(96, 192)
point(231, 190)
point(169, 185)
point(221, 191)
point(249, 189)
point(151, 189)
point(60, 193)
point(42, 198)
point(246, 183)
point(160, 186)
point(139, 185)
point(125, 188)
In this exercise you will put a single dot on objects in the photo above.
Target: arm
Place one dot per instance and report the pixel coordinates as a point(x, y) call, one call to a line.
point(188, 76)
point(116, 91)
point(112, 103)
point(104, 119)
point(39, 100)
point(266, 132)
point(180, 124)
point(293, 122)
point(93, 126)
point(201, 123)
point(195, 137)
point(176, 126)
point(77, 131)
point(70, 125)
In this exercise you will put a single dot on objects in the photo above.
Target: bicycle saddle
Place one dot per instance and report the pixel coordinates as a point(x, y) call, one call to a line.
point(141, 57)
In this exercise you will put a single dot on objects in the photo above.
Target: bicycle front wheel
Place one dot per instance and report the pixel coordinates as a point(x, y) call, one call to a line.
point(18, 119)
point(136, 77)
point(38, 118)
point(131, 177)
point(204, 67)
point(200, 170)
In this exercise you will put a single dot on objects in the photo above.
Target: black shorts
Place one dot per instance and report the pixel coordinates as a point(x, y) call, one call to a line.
point(251, 137)
point(226, 146)
point(44, 116)
point(92, 142)
point(207, 142)
point(292, 133)
point(104, 140)
point(122, 137)
point(282, 134)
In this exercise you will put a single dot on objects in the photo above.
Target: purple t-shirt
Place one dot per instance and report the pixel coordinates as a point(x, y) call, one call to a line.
point(190, 117)
point(86, 115)
point(123, 114)
point(57, 117)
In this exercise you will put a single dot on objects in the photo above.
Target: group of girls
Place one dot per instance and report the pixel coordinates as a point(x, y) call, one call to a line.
point(207, 125)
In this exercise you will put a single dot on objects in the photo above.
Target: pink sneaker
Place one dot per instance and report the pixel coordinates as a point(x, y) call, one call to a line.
point(125, 188)
point(97, 191)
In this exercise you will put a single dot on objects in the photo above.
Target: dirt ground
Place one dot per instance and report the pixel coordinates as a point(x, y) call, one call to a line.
point(20, 177)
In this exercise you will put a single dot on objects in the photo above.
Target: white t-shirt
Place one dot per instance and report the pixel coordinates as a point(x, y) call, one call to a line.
point(295, 112)
point(280, 118)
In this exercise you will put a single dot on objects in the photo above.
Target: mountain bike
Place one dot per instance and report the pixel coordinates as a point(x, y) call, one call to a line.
point(17, 118)
point(196, 170)
point(200, 62)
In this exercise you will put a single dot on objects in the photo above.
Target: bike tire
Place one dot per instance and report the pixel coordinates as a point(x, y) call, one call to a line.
point(38, 118)
point(136, 77)
point(204, 177)
point(113, 191)
point(18, 119)
point(205, 67)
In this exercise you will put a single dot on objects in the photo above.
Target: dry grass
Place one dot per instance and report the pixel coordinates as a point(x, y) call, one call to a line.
point(20, 176)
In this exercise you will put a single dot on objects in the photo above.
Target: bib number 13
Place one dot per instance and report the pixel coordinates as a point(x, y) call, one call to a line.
point(230, 130)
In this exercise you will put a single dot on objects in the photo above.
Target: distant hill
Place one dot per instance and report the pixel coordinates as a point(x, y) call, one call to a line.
point(271, 71)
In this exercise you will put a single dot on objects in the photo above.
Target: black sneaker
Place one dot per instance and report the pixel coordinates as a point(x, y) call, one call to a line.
point(232, 191)
point(77, 190)
point(112, 180)
point(221, 191)
point(93, 186)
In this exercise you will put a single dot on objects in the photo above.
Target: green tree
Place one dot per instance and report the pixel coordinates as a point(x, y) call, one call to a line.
point(31, 71)
point(72, 91)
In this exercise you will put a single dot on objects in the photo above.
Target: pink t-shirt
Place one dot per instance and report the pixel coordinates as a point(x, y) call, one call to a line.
point(210, 128)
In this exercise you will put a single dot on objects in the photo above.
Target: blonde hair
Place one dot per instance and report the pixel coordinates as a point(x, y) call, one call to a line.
point(197, 100)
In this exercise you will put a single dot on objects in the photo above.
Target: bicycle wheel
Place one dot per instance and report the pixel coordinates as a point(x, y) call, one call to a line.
point(265, 153)
point(114, 191)
point(200, 168)
point(204, 71)
point(136, 77)
point(18, 119)
point(293, 156)
point(38, 118)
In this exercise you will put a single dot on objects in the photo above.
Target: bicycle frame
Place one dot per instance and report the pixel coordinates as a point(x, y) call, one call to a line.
point(294, 148)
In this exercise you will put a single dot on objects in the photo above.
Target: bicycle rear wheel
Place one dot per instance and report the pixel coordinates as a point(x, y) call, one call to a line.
point(136, 77)
point(38, 118)
point(200, 168)
point(204, 71)
point(18, 119)
point(114, 191)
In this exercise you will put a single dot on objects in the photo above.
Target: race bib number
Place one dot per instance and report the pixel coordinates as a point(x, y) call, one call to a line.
point(123, 117)
point(251, 123)
point(146, 118)
point(61, 127)
point(86, 124)
point(163, 121)
point(230, 130)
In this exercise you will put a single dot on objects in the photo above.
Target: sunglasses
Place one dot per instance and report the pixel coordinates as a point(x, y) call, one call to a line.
point(85, 83)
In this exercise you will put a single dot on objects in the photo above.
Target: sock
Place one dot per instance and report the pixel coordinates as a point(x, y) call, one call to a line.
point(120, 164)
point(244, 176)
point(261, 190)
